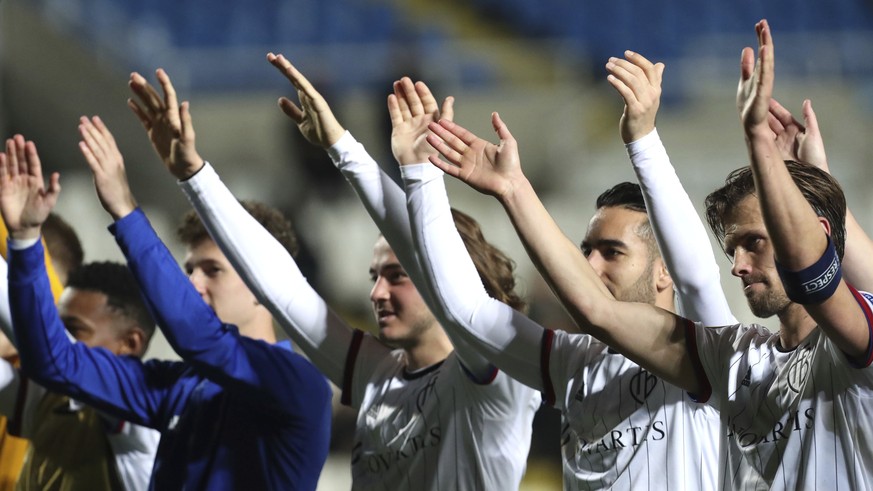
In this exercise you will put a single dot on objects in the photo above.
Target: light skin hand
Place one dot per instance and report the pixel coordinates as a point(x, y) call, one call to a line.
point(25, 202)
point(755, 89)
point(638, 81)
point(412, 107)
point(796, 141)
point(313, 116)
point(488, 168)
point(100, 151)
point(167, 123)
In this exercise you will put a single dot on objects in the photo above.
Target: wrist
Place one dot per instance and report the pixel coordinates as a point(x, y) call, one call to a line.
point(121, 211)
point(25, 233)
point(514, 191)
point(190, 167)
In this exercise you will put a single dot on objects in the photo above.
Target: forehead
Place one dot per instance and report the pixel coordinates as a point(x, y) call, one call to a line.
point(85, 304)
point(204, 250)
point(742, 218)
point(383, 255)
point(614, 223)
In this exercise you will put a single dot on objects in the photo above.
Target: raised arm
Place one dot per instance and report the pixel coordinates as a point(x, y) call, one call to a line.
point(263, 263)
point(116, 384)
point(266, 373)
point(799, 237)
point(680, 233)
point(411, 107)
point(651, 337)
point(803, 142)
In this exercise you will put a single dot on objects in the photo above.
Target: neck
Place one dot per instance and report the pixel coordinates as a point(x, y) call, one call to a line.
point(666, 302)
point(429, 350)
point(260, 328)
point(795, 325)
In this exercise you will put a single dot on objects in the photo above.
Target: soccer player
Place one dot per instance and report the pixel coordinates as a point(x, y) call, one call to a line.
point(792, 402)
point(431, 415)
point(237, 412)
point(624, 428)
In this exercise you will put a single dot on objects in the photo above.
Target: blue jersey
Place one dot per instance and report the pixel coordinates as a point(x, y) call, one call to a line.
point(238, 413)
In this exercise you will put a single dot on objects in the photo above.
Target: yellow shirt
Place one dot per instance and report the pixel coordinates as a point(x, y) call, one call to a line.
point(13, 449)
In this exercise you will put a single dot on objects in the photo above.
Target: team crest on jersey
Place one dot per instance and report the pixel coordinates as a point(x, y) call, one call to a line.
point(642, 384)
point(799, 370)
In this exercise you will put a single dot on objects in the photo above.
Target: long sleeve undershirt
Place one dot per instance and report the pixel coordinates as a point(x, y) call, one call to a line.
point(680, 233)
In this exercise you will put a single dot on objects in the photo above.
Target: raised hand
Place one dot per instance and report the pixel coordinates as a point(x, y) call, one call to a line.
point(488, 168)
point(412, 108)
point(798, 141)
point(168, 124)
point(314, 118)
point(25, 202)
point(755, 88)
point(100, 151)
point(638, 81)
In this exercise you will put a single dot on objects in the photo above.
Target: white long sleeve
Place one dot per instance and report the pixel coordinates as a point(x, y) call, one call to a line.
point(5, 314)
point(271, 274)
point(503, 335)
point(385, 202)
point(680, 233)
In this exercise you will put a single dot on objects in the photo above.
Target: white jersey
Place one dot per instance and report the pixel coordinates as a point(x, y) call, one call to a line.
point(623, 427)
point(794, 420)
point(433, 430)
point(436, 428)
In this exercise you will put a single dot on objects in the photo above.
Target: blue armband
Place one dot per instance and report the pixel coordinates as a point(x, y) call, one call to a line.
point(816, 283)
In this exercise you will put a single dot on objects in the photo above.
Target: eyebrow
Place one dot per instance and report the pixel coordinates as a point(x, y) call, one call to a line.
point(389, 266)
point(604, 242)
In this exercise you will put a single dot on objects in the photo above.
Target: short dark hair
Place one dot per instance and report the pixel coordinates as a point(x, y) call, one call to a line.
point(820, 189)
point(122, 291)
point(62, 243)
point(494, 267)
point(192, 231)
point(629, 195)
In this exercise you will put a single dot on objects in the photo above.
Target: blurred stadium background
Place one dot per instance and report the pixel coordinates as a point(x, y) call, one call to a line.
point(540, 64)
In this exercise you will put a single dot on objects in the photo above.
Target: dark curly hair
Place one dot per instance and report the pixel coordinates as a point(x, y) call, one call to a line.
point(122, 291)
point(191, 231)
point(495, 268)
point(820, 189)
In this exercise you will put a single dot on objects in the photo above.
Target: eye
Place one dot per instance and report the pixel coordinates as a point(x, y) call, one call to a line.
point(610, 252)
point(396, 277)
point(586, 250)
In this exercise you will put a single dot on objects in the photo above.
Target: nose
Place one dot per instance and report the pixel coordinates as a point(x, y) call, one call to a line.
point(379, 291)
point(595, 259)
point(741, 265)
point(198, 279)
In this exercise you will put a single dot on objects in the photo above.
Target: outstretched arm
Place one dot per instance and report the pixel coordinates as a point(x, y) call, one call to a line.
point(116, 384)
point(412, 106)
point(680, 233)
point(216, 350)
point(651, 337)
point(263, 263)
point(803, 142)
point(786, 213)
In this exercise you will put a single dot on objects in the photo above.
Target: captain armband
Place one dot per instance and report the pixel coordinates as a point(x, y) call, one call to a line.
point(816, 283)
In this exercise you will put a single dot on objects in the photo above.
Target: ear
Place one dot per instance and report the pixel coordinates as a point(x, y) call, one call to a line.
point(663, 280)
point(133, 342)
point(825, 224)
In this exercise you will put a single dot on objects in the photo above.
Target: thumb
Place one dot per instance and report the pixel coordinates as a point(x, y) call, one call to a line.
point(448, 110)
point(500, 127)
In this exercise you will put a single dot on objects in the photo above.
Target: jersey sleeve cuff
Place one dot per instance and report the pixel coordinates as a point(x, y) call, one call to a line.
point(342, 147)
point(864, 300)
point(423, 173)
point(645, 143)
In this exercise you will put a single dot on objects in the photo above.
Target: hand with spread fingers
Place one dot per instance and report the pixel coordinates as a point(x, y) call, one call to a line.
point(796, 140)
point(314, 118)
point(488, 168)
point(412, 108)
point(25, 201)
point(638, 81)
point(100, 151)
point(168, 124)
point(755, 89)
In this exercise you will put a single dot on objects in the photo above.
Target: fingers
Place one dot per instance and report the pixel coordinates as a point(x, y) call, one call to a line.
point(402, 102)
point(394, 111)
point(186, 122)
point(54, 188)
point(500, 128)
point(4, 169)
point(775, 125)
point(783, 115)
point(146, 94)
point(12, 158)
point(439, 144)
point(448, 110)
point(293, 75)
point(747, 63)
point(20, 156)
point(452, 170)
point(140, 114)
point(809, 117)
point(170, 103)
point(291, 110)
